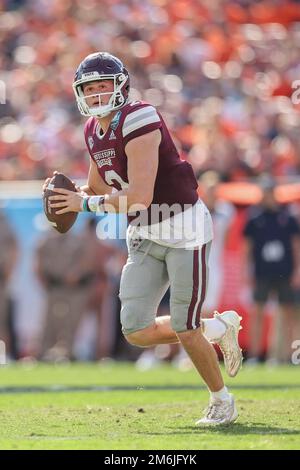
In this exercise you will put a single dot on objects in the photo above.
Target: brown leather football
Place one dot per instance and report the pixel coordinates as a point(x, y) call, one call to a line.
point(61, 222)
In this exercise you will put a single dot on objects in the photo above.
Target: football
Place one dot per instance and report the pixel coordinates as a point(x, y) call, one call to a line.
point(61, 222)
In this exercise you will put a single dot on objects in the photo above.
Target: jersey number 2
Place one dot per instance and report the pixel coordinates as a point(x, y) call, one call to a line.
point(112, 178)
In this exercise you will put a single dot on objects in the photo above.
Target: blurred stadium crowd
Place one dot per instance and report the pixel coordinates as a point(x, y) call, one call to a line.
point(220, 71)
point(223, 74)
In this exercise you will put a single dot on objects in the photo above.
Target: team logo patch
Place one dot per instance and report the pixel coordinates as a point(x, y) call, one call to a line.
point(91, 142)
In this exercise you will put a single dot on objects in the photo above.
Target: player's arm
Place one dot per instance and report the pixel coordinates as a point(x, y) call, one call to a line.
point(142, 163)
point(95, 184)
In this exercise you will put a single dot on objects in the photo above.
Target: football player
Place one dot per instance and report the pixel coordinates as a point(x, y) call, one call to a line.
point(135, 168)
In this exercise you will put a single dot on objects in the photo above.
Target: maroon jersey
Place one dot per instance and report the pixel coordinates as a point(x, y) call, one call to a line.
point(175, 181)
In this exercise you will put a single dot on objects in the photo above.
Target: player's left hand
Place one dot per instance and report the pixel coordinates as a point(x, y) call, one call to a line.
point(68, 200)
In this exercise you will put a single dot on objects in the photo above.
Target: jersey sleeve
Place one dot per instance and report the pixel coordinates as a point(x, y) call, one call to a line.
point(140, 121)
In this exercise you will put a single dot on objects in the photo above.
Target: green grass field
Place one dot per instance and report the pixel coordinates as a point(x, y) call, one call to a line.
point(113, 406)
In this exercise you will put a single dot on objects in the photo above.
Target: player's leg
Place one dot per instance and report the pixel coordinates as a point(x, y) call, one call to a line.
point(140, 292)
point(161, 331)
point(217, 329)
point(188, 274)
point(144, 281)
point(223, 330)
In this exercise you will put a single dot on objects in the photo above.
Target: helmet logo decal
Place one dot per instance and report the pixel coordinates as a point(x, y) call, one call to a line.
point(90, 75)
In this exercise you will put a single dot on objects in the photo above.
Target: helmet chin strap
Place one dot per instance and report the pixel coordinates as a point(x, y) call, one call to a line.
point(103, 114)
point(99, 113)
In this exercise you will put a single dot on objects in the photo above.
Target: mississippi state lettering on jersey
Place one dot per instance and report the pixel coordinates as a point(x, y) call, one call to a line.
point(175, 181)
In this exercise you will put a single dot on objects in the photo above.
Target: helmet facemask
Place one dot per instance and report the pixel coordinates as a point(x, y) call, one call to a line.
point(117, 100)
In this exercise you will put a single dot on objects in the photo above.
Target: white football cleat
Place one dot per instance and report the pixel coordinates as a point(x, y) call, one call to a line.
point(219, 412)
point(229, 343)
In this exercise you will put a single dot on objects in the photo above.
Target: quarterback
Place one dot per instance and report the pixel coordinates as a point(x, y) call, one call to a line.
point(135, 168)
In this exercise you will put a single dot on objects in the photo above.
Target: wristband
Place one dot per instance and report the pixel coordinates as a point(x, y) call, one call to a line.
point(85, 205)
point(95, 204)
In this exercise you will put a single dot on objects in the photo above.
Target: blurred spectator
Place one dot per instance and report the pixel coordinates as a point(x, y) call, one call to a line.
point(65, 266)
point(295, 210)
point(221, 72)
point(222, 213)
point(273, 247)
point(8, 258)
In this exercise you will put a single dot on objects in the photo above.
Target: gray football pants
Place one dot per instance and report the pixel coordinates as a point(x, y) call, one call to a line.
point(149, 271)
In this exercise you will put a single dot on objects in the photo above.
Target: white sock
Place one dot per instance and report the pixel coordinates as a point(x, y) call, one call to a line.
point(213, 329)
point(222, 394)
